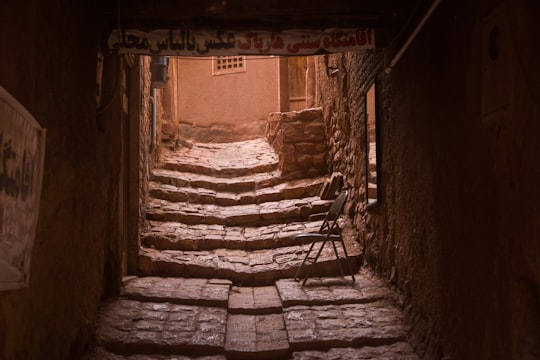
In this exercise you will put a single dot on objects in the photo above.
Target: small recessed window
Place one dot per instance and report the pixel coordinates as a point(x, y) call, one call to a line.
point(222, 65)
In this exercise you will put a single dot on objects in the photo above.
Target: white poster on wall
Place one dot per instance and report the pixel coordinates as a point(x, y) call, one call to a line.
point(22, 152)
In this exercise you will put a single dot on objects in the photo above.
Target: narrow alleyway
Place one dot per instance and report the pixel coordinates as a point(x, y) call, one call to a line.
point(216, 268)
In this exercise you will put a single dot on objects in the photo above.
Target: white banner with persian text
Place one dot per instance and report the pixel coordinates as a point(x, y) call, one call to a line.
point(182, 42)
point(22, 150)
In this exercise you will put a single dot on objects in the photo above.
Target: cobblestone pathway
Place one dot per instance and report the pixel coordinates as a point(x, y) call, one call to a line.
point(216, 267)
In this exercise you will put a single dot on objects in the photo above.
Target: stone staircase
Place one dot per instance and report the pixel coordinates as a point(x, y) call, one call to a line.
point(216, 267)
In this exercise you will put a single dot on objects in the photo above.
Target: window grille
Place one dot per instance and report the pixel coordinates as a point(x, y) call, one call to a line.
point(228, 64)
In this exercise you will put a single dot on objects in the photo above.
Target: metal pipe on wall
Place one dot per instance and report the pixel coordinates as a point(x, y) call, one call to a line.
point(426, 16)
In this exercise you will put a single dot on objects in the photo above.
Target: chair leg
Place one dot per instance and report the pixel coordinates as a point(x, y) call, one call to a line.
point(314, 261)
point(347, 260)
point(337, 258)
point(297, 275)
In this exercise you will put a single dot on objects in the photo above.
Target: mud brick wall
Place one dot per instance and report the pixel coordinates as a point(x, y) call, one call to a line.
point(300, 141)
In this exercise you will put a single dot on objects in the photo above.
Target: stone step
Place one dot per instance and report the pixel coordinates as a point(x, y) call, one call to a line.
point(224, 159)
point(102, 354)
point(245, 268)
point(332, 291)
point(237, 184)
point(260, 300)
point(186, 291)
point(276, 212)
point(128, 327)
point(256, 337)
point(180, 236)
point(170, 331)
point(350, 325)
point(399, 350)
point(329, 318)
point(283, 191)
point(220, 171)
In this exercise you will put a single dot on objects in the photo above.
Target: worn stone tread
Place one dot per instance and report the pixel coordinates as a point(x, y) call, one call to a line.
point(332, 291)
point(180, 236)
point(258, 300)
point(224, 159)
point(349, 325)
point(397, 351)
point(190, 291)
point(293, 189)
point(247, 268)
point(256, 337)
point(247, 215)
point(238, 184)
point(102, 354)
point(129, 327)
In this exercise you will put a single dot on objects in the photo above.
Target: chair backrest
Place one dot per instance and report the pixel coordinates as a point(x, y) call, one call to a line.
point(334, 212)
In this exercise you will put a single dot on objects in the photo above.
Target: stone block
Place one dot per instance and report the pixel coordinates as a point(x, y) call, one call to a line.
point(256, 336)
point(293, 132)
point(348, 325)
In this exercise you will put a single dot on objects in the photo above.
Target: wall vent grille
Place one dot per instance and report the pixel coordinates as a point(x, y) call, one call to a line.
point(228, 65)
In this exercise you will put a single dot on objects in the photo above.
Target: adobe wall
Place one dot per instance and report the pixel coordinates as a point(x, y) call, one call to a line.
point(238, 101)
point(457, 226)
point(49, 65)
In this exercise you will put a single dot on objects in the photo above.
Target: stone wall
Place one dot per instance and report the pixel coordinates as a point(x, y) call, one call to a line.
point(149, 150)
point(342, 98)
point(299, 139)
point(456, 227)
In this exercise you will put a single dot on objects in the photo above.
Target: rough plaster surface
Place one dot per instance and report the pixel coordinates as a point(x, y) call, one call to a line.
point(50, 68)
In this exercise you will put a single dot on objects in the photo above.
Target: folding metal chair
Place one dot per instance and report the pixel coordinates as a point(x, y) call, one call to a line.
point(328, 232)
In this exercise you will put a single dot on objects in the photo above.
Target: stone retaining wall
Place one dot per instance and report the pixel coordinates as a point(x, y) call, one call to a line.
point(300, 141)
